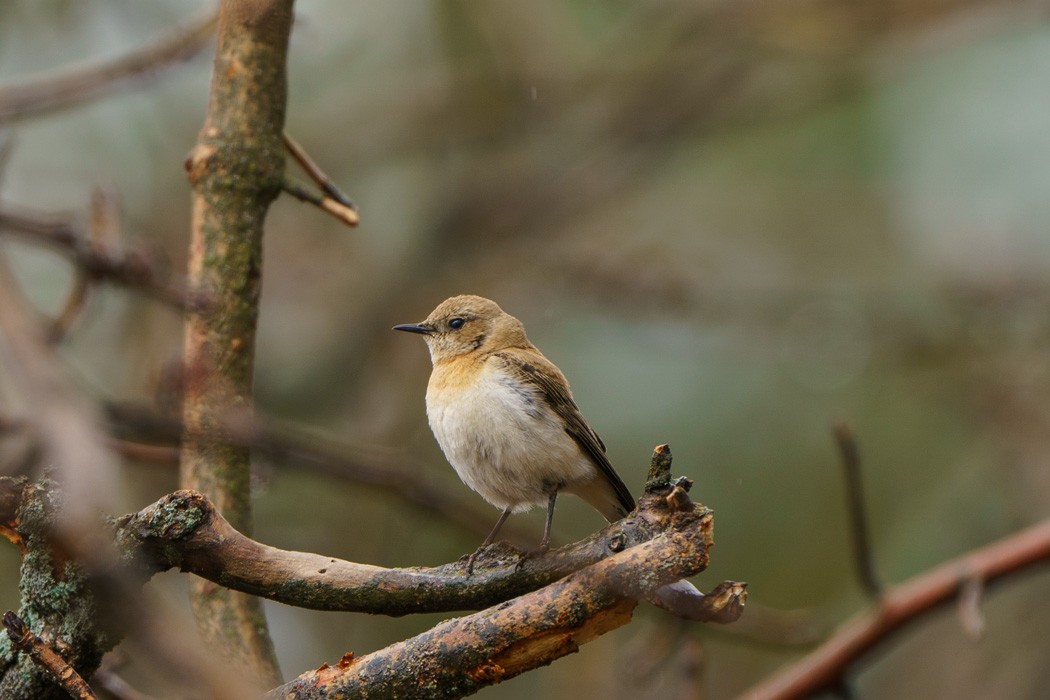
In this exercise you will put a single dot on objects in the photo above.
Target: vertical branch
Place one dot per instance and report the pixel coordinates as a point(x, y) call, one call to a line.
point(236, 169)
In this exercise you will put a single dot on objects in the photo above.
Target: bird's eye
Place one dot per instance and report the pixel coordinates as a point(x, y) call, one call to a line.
point(456, 323)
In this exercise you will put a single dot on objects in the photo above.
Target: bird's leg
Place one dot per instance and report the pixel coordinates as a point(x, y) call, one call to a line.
point(488, 540)
point(545, 543)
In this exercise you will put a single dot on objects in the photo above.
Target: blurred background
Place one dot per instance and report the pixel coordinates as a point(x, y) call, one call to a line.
point(731, 224)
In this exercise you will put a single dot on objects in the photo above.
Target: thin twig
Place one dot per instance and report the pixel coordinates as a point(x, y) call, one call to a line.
point(73, 85)
point(106, 232)
point(862, 549)
point(47, 658)
point(76, 300)
point(333, 201)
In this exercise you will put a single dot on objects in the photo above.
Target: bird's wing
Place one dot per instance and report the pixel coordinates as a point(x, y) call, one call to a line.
point(552, 386)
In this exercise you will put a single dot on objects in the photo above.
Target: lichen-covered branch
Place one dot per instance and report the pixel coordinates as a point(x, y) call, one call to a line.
point(58, 604)
point(44, 655)
point(236, 169)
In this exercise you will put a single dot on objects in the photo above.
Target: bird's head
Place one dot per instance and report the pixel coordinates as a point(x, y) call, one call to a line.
point(466, 324)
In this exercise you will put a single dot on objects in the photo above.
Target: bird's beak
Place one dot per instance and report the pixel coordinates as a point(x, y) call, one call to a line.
point(421, 328)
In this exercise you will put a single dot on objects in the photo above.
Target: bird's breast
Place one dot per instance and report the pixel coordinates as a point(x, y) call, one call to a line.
point(501, 437)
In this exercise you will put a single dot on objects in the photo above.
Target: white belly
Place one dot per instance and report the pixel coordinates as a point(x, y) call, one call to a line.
point(503, 440)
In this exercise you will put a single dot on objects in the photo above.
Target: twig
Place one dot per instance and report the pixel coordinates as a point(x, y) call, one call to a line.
point(862, 549)
point(901, 605)
point(76, 300)
point(65, 423)
point(333, 200)
point(47, 658)
point(73, 85)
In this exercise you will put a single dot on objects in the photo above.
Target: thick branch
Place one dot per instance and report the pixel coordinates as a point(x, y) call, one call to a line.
point(461, 656)
point(902, 605)
point(237, 169)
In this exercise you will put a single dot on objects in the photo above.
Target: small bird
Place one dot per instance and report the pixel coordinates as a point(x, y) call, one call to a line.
point(505, 418)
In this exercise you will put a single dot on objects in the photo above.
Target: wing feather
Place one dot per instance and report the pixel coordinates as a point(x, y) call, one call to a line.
point(548, 380)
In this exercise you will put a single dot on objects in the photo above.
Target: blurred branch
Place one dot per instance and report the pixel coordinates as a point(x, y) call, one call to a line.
point(68, 576)
point(46, 657)
point(333, 200)
point(131, 269)
point(357, 464)
point(902, 605)
point(73, 85)
point(862, 550)
point(236, 170)
point(106, 678)
point(67, 426)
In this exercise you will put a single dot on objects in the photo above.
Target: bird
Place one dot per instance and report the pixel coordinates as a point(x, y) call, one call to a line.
point(506, 420)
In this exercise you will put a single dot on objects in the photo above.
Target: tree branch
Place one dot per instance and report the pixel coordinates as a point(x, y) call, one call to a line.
point(902, 605)
point(461, 656)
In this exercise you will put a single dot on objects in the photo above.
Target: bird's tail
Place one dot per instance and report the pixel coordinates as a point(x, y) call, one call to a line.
point(601, 495)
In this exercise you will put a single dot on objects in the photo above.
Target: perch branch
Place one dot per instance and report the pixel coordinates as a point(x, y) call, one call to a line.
point(461, 656)
point(901, 605)
point(184, 530)
point(47, 658)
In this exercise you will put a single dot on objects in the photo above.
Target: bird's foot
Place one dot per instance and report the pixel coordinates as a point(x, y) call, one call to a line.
point(532, 554)
point(472, 558)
